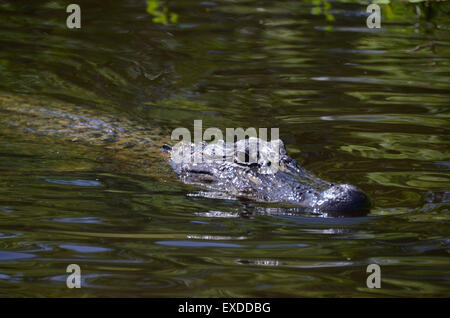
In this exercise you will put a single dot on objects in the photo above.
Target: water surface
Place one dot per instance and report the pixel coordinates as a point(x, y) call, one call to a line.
point(353, 105)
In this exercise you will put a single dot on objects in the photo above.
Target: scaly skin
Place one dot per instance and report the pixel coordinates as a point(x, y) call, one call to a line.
point(125, 146)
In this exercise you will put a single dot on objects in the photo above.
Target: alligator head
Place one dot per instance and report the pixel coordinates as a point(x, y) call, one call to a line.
point(259, 170)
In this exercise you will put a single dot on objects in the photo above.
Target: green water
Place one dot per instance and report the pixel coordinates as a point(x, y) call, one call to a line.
point(353, 105)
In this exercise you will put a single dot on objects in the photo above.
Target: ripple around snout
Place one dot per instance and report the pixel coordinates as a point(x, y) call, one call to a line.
point(198, 244)
point(14, 256)
point(77, 182)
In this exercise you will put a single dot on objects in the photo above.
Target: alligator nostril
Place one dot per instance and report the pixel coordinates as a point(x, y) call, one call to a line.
point(344, 200)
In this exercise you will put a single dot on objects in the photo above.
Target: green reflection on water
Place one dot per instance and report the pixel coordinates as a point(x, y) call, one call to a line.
point(352, 105)
point(160, 14)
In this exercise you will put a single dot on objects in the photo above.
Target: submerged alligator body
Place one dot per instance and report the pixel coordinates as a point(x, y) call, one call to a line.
point(251, 168)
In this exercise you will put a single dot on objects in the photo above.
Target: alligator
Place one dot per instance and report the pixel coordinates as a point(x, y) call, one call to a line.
point(227, 170)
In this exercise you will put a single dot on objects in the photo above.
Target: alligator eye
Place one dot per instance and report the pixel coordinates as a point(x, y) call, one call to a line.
point(300, 189)
point(330, 184)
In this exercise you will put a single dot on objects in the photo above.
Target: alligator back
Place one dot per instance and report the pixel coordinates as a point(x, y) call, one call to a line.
point(124, 145)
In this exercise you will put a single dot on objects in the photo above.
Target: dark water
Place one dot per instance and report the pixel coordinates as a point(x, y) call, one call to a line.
point(354, 105)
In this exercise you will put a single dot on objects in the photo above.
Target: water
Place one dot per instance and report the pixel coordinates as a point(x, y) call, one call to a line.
point(360, 106)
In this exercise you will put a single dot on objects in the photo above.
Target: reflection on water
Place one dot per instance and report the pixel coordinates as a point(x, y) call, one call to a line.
point(353, 105)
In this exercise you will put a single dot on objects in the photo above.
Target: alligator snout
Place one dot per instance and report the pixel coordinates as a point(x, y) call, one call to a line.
point(343, 199)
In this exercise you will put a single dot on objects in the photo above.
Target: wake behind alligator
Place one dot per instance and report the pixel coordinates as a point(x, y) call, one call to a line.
point(137, 147)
